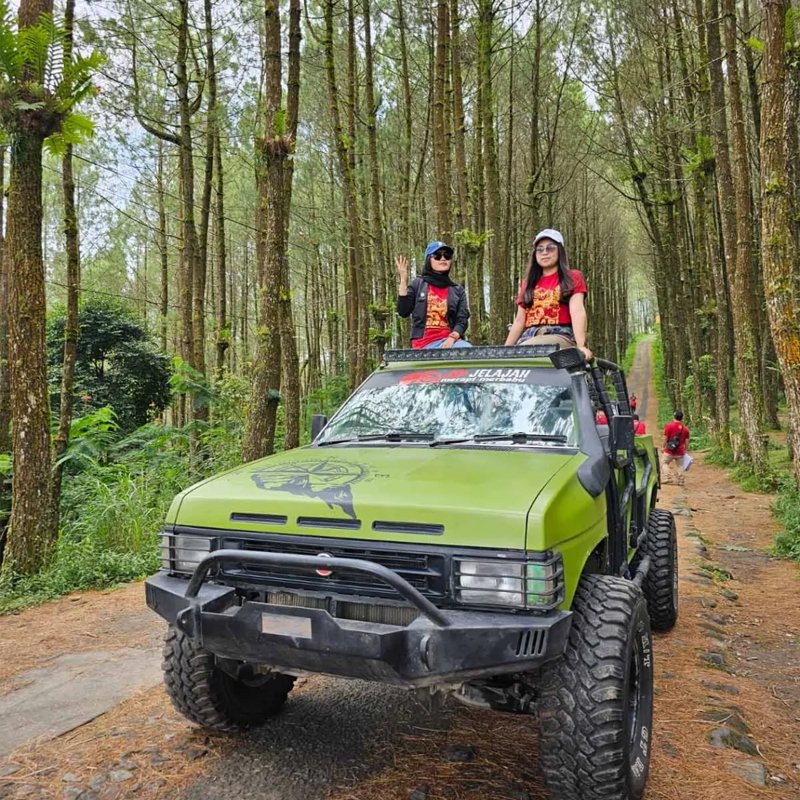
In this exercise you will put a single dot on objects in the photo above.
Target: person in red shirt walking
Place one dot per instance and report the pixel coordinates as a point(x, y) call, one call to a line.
point(551, 295)
point(436, 303)
point(639, 428)
point(676, 436)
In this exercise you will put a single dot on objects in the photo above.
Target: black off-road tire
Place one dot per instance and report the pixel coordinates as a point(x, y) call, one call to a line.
point(660, 587)
point(209, 696)
point(596, 704)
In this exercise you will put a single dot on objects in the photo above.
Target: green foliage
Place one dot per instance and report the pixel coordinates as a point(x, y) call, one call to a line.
point(185, 379)
point(743, 474)
point(630, 351)
point(659, 378)
point(74, 568)
point(754, 43)
point(34, 76)
point(787, 510)
point(701, 157)
point(324, 401)
point(471, 239)
point(90, 437)
point(117, 364)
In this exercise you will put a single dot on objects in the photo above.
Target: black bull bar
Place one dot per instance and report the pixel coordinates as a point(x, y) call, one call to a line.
point(439, 646)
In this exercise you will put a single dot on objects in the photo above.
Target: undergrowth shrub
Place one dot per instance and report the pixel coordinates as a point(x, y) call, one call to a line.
point(787, 510)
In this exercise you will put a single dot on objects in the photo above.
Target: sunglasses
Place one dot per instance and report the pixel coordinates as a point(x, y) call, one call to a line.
point(442, 255)
point(547, 248)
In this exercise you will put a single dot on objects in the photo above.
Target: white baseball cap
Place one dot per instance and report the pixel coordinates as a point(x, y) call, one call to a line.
point(549, 233)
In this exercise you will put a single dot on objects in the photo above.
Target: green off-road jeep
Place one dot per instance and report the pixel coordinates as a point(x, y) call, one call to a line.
point(462, 524)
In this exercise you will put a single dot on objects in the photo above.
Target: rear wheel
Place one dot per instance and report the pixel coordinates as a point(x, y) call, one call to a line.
point(204, 693)
point(660, 587)
point(596, 704)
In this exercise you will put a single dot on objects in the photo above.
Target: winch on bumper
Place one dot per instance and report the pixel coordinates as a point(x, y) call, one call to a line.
point(441, 645)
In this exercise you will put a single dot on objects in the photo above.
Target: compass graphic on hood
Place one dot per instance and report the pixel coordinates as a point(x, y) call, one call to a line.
point(328, 480)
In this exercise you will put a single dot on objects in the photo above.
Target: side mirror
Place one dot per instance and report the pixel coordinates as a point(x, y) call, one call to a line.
point(318, 422)
point(621, 439)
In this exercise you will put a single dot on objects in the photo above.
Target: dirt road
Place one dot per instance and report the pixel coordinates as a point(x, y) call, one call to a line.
point(727, 716)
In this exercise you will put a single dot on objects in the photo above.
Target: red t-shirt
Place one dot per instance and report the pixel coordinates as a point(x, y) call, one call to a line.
point(436, 326)
point(639, 428)
point(676, 428)
point(546, 308)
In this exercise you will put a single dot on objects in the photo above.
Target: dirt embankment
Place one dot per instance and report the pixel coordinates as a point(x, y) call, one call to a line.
point(727, 715)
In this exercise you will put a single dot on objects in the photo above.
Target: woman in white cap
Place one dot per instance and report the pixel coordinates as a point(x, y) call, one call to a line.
point(436, 303)
point(551, 295)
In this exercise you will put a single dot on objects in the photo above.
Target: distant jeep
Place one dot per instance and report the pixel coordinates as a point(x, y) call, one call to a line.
point(461, 522)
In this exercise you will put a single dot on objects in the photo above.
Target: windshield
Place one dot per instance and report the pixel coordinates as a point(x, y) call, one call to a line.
point(435, 405)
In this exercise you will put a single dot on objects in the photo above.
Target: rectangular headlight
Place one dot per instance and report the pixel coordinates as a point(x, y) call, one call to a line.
point(182, 553)
point(515, 584)
point(494, 583)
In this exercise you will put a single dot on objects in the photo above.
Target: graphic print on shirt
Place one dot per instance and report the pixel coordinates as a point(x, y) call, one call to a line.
point(437, 311)
point(545, 307)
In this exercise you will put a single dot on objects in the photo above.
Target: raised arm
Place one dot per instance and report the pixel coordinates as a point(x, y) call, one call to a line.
point(405, 298)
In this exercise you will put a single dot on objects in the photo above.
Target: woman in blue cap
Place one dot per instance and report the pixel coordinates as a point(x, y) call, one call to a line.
point(550, 298)
point(437, 304)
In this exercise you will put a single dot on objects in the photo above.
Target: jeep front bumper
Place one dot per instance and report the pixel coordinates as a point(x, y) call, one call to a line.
point(440, 646)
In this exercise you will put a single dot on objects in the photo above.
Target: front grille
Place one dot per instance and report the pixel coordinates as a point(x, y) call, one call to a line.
point(361, 611)
point(424, 571)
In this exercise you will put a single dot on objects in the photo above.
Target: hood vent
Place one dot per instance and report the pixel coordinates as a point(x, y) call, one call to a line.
point(261, 519)
point(329, 522)
point(419, 528)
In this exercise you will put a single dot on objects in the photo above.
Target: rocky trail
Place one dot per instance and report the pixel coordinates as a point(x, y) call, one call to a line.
point(83, 715)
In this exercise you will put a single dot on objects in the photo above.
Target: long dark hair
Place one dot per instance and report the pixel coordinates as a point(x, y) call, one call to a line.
point(535, 273)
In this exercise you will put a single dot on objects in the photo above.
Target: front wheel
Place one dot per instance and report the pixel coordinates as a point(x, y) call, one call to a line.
point(204, 693)
point(596, 704)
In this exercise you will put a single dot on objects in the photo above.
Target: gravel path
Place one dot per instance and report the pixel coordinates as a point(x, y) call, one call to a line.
point(331, 733)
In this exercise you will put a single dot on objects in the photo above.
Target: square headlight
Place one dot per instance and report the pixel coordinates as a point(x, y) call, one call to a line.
point(516, 584)
point(182, 553)
point(495, 583)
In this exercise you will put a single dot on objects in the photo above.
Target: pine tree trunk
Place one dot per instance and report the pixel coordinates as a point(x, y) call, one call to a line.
point(356, 301)
point(5, 383)
point(163, 252)
point(32, 525)
point(273, 148)
point(381, 313)
point(469, 248)
point(221, 263)
point(499, 284)
point(779, 258)
point(441, 175)
point(744, 324)
point(289, 357)
point(73, 293)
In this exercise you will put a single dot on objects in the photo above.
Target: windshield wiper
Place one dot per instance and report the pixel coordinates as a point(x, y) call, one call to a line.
point(520, 438)
point(389, 436)
point(515, 438)
point(395, 436)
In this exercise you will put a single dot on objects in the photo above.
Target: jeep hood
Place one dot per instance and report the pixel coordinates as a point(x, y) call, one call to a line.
point(467, 497)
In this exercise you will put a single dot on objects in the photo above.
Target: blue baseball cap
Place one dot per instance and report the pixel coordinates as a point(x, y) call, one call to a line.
point(434, 246)
point(549, 233)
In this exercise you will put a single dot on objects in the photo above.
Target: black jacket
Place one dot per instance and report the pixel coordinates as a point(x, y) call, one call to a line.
point(416, 304)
